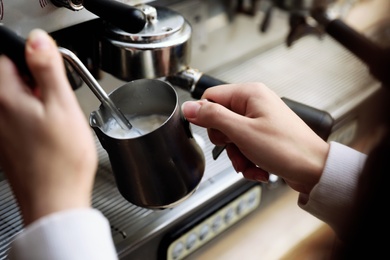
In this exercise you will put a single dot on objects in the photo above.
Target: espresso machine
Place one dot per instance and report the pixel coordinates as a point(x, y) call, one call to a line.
point(196, 44)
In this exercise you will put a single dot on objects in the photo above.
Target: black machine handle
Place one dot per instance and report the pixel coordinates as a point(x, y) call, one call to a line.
point(13, 46)
point(205, 81)
point(121, 15)
point(321, 122)
point(124, 16)
point(376, 58)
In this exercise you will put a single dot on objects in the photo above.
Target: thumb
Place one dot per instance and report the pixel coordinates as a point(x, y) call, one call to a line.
point(212, 115)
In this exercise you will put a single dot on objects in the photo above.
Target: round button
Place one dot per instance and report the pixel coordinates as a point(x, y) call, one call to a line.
point(229, 215)
point(217, 223)
point(191, 240)
point(204, 231)
point(252, 199)
point(240, 207)
point(177, 250)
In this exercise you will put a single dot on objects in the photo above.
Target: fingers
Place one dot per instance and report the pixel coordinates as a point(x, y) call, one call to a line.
point(255, 173)
point(236, 96)
point(46, 65)
point(217, 137)
point(232, 108)
point(241, 164)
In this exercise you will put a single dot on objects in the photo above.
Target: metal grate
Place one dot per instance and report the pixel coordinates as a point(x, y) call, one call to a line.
point(10, 220)
point(318, 73)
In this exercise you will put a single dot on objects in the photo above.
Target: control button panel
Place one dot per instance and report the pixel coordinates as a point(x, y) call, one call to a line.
point(214, 224)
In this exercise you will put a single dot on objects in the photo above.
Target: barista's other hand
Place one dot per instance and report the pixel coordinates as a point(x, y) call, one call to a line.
point(47, 150)
point(261, 132)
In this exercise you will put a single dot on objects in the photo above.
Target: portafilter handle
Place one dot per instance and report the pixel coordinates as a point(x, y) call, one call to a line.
point(376, 58)
point(121, 15)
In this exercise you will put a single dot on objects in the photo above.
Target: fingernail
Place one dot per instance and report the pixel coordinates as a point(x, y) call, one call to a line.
point(190, 109)
point(38, 40)
point(234, 164)
point(261, 178)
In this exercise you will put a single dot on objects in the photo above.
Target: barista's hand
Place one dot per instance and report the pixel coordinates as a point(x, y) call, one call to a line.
point(263, 135)
point(47, 149)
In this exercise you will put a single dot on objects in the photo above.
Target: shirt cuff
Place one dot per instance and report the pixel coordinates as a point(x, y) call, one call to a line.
point(332, 198)
point(71, 234)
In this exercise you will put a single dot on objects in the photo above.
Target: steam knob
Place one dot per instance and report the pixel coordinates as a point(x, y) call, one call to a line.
point(248, 7)
point(267, 19)
point(300, 27)
point(150, 12)
point(123, 16)
point(74, 5)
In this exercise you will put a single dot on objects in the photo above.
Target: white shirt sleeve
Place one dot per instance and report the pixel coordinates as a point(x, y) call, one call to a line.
point(332, 198)
point(73, 234)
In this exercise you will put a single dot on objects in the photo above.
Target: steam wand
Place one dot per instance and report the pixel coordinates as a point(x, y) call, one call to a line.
point(13, 46)
point(122, 15)
point(95, 87)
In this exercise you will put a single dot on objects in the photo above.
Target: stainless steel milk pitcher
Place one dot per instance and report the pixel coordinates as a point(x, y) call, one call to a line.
point(157, 166)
